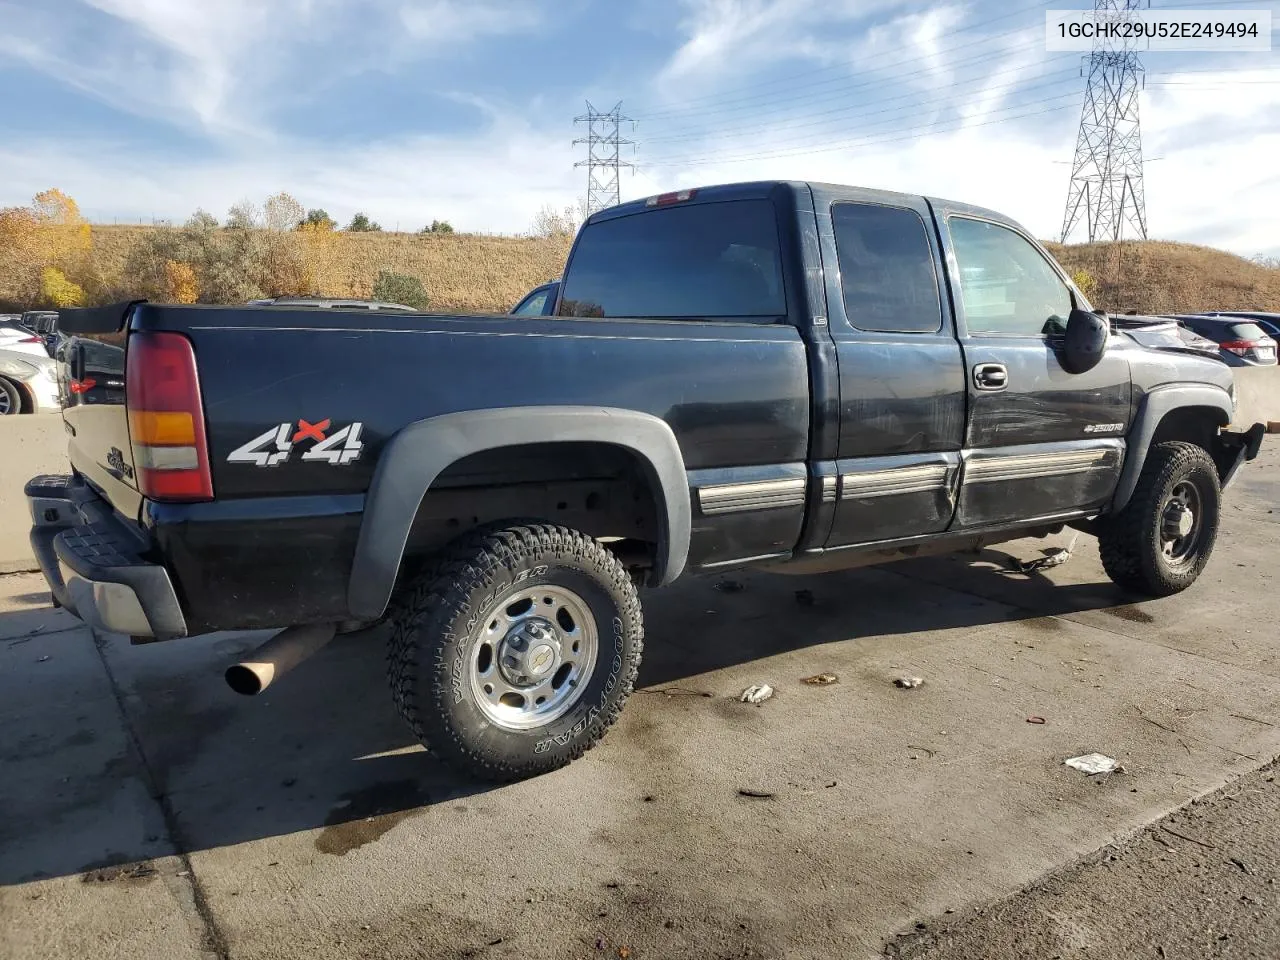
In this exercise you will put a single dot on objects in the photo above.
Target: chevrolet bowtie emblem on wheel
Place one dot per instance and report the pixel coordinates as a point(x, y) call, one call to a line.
point(275, 446)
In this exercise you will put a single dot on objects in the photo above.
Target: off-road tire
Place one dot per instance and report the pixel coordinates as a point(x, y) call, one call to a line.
point(1130, 542)
point(434, 620)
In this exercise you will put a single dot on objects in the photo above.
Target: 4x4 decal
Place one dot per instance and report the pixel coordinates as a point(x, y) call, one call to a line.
point(275, 446)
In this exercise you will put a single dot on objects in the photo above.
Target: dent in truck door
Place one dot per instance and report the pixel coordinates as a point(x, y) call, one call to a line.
point(901, 378)
point(1040, 441)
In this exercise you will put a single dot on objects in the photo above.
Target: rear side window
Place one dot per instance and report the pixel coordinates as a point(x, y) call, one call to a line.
point(886, 269)
point(700, 261)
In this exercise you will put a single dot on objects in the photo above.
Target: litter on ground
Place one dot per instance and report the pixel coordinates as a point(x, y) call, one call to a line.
point(821, 680)
point(756, 693)
point(1052, 558)
point(909, 683)
point(1093, 764)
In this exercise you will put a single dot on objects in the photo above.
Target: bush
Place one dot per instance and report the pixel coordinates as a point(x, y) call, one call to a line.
point(400, 288)
point(1086, 283)
point(438, 226)
point(361, 223)
point(57, 290)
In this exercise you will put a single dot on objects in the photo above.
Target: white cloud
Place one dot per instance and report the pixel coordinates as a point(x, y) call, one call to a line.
point(447, 21)
point(726, 37)
point(410, 181)
point(219, 67)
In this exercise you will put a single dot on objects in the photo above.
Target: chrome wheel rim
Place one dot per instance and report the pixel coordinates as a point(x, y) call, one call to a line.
point(534, 653)
point(6, 403)
point(1181, 520)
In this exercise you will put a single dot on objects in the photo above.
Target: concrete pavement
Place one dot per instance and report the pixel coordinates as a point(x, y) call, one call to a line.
point(149, 812)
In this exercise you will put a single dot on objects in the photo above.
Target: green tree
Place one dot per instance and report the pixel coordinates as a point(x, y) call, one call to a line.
point(400, 288)
point(318, 219)
point(361, 223)
point(438, 226)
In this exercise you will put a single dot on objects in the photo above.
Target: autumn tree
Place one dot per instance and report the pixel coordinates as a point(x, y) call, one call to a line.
point(550, 222)
point(244, 215)
point(45, 252)
point(281, 212)
point(318, 219)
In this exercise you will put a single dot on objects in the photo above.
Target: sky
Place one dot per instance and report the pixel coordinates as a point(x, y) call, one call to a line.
point(463, 110)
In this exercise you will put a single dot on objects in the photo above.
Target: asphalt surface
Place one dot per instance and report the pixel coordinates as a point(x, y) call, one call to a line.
point(147, 811)
point(1204, 882)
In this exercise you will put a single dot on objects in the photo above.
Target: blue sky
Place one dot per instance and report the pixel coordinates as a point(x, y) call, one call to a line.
point(413, 110)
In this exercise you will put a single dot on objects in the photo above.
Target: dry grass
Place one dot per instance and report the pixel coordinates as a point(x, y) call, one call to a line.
point(467, 272)
point(461, 272)
point(1157, 276)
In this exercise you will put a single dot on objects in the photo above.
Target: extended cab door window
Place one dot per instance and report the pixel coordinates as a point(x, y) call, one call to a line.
point(902, 396)
point(887, 273)
point(695, 261)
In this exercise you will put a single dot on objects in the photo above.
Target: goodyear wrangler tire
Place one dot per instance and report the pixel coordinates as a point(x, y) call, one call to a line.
point(1160, 542)
point(514, 652)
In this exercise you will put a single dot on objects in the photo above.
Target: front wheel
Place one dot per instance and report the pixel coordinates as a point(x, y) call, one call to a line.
point(516, 650)
point(1160, 542)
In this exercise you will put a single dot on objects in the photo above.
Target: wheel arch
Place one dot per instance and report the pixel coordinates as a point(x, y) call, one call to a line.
point(419, 453)
point(1191, 412)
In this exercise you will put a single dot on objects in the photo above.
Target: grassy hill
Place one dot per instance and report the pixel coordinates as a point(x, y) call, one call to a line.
point(1157, 276)
point(461, 272)
point(475, 273)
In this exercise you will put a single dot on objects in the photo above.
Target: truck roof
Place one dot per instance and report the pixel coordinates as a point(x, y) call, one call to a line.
point(822, 192)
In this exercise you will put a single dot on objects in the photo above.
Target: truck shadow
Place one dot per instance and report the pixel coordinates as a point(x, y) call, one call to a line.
point(324, 749)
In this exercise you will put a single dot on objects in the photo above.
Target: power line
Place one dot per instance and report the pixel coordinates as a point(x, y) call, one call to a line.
point(943, 126)
point(604, 156)
point(854, 112)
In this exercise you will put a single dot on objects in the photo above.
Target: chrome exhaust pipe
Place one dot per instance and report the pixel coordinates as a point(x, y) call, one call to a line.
point(277, 656)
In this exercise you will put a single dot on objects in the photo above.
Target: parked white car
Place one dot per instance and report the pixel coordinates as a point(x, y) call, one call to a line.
point(28, 382)
point(14, 336)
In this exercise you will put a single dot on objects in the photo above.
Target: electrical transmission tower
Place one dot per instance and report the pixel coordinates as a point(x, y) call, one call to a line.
point(604, 155)
point(1106, 174)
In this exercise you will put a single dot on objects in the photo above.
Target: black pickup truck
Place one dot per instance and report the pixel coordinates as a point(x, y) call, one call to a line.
point(802, 377)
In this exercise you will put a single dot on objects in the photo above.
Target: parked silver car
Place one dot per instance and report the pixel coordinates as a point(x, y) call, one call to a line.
point(28, 383)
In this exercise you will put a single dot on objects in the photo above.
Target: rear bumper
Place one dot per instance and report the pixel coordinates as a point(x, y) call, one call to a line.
point(94, 565)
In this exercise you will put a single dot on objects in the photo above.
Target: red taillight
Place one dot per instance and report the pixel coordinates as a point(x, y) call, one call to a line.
point(31, 340)
point(166, 418)
point(1241, 348)
point(83, 386)
point(666, 199)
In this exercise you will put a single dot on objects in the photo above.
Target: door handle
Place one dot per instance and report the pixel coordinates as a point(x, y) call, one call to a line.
point(990, 376)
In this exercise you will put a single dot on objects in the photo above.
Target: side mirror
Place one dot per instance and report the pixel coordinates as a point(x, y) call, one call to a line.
point(1085, 341)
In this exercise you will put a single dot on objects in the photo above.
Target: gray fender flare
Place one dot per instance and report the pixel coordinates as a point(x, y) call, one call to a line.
point(421, 451)
point(1156, 404)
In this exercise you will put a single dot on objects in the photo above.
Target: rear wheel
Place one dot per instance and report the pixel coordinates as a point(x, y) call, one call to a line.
point(10, 398)
point(1160, 542)
point(514, 652)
